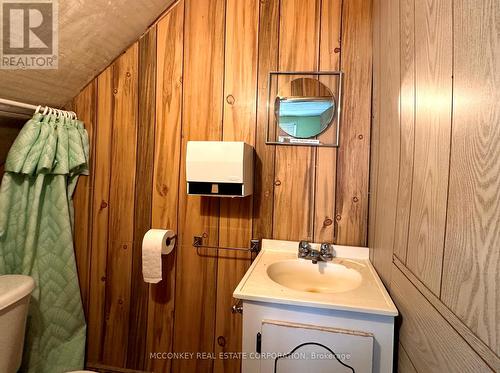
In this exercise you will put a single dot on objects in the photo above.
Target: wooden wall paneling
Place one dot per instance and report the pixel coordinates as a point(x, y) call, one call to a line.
point(100, 216)
point(404, 363)
point(433, 84)
point(121, 207)
point(407, 123)
point(481, 348)
point(430, 342)
point(389, 136)
point(167, 155)
point(264, 154)
point(352, 181)
point(9, 129)
point(472, 257)
point(295, 166)
point(85, 106)
point(138, 324)
point(239, 124)
point(194, 78)
point(448, 325)
point(196, 270)
point(326, 158)
point(375, 125)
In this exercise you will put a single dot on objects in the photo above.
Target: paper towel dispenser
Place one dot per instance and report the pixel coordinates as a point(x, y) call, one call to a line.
point(219, 168)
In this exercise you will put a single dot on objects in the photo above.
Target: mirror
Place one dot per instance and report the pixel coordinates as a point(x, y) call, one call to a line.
point(304, 108)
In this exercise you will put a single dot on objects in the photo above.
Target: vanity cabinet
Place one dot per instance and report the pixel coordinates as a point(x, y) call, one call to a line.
point(334, 315)
point(362, 343)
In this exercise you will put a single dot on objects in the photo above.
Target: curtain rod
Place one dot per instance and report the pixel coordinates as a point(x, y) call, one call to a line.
point(36, 109)
point(17, 104)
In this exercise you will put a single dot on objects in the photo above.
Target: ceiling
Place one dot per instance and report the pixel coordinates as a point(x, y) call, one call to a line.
point(92, 33)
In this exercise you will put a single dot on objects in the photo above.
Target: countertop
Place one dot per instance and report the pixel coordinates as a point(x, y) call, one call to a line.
point(369, 297)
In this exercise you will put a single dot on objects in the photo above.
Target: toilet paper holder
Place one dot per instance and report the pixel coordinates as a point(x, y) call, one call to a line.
point(169, 240)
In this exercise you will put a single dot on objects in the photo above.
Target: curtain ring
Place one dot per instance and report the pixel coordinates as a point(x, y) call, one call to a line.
point(75, 117)
point(45, 110)
point(38, 109)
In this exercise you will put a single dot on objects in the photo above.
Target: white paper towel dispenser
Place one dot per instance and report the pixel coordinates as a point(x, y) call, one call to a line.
point(219, 168)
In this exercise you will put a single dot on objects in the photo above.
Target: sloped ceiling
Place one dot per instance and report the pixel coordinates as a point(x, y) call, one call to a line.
point(92, 33)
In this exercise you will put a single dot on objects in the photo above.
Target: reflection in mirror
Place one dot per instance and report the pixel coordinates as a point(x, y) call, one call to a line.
point(304, 108)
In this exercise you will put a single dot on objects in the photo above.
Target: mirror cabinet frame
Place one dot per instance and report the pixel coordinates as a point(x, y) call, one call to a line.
point(300, 141)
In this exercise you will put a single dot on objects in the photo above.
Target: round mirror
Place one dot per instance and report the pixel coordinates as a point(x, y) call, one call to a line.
point(304, 108)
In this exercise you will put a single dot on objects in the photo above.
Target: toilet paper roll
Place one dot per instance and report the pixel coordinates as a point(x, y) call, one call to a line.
point(155, 243)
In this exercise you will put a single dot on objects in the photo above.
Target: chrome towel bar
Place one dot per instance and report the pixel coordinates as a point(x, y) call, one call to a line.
point(254, 245)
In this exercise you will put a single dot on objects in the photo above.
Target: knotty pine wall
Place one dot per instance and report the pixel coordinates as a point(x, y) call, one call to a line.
point(435, 178)
point(201, 73)
point(9, 129)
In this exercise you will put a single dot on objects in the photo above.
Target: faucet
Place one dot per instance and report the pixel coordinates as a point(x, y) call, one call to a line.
point(324, 254)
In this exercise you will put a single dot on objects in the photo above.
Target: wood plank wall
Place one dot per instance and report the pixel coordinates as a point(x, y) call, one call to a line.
point(201, 73)
point(435, 179)
point(9, 129)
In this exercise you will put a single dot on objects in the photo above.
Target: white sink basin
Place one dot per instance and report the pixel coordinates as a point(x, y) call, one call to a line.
point(302, 275)
point(348, 283)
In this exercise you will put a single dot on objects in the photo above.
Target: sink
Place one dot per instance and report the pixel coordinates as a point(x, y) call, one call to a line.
point(323, 277)
point(347, 283)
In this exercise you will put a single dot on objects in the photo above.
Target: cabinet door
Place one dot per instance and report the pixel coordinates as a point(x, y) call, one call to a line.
point(297, 348)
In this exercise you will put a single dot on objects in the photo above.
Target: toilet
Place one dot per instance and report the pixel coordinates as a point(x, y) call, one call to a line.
point(15, 293)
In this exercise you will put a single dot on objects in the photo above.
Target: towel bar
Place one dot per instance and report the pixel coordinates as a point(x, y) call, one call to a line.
point(254, 245)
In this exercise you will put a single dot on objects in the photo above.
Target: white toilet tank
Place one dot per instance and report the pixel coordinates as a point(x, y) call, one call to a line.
point(15, 293)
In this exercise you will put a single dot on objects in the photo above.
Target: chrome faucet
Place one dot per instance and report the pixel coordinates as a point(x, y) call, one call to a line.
point(324, 254)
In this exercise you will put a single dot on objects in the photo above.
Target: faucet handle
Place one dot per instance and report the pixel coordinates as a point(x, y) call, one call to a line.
point(326, 248)
point(304, 249)
point(304, 245)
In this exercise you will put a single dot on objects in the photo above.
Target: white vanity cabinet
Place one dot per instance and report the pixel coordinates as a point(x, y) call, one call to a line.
point(334, 316)
point(363, 342)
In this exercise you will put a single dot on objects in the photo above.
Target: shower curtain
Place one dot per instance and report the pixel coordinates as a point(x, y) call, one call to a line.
point(36, 239)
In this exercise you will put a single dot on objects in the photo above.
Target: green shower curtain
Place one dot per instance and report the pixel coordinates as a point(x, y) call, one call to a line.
point(36, 237)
